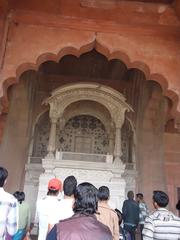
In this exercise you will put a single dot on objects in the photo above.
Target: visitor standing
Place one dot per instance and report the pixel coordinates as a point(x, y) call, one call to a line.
point(144, 212)
point(123, 235)
point(48, 205)
point(130, 212)
point(83, 225)
point(8, 209)
point(105, 214)
point(161, 224)
point(178, 207)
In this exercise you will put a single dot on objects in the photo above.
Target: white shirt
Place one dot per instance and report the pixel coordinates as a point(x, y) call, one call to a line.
point(8, 214)
point(47, 208)
point(65, 210)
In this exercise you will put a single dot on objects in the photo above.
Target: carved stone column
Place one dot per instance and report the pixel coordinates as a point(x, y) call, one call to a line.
point(52, 138)
point(117, 149)
point(111, 143)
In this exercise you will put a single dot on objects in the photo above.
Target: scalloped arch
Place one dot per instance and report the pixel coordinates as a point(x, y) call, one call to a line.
point(70, 50)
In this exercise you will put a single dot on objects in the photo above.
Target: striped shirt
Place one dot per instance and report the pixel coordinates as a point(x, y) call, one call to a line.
point(8, 214)
point(162, 225)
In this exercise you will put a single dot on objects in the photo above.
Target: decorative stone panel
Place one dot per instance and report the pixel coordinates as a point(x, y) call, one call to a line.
point(41, 136)
point(127, 142)
point(81, 127)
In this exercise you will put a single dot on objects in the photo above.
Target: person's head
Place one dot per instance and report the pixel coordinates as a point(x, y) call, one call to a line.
point(20, 196)
point(130, 195)
point(103, 193)
point(3, 176)
point(86, 200)
point(160, 199)
point(119, 214)
point(54, 187)
point(178, 205)
point(139, 197)
point(69, 186)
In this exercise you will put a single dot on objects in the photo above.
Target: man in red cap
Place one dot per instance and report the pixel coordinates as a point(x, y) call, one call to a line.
point(47, 205)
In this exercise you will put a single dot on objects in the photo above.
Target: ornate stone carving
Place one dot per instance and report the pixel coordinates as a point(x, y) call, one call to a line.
point(52, 137)
point(108, 97)
point(127, 144)
point(130, 178)
point(82, 127)
point(41, 138)
point(111, 99)
point(84, 175)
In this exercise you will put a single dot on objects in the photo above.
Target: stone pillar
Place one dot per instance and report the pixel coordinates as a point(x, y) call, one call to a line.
point(119, 120)
point(117, 148)
point(52, 138)
point(61, 132)
point(111, 143)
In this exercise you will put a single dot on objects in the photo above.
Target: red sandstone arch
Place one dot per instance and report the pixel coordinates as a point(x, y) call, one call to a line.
point(49, 56)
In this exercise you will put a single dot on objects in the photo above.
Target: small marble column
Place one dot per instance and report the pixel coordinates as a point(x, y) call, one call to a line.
point(111, 143)
point(52, 138)
point(117, 148)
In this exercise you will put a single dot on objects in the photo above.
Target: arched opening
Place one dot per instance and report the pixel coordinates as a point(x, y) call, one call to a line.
point(145, 97)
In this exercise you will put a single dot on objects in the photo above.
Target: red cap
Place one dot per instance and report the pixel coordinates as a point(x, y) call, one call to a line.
point(54, 184)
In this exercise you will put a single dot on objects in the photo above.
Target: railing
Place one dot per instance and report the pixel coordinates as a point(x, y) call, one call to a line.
point(75, 156)
point(34, 159)
point(87, 157)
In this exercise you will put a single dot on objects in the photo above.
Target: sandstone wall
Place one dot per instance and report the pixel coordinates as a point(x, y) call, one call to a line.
point(172, 166)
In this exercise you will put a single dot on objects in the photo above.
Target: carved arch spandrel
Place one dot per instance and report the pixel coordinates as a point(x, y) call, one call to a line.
point(80, 43)
point(111, 99)
point(84, 42)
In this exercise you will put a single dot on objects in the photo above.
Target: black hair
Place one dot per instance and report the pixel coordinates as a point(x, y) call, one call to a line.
point(161, 198)
point(86, 200)
point(178, 205)
point(119, 214)
point(3, 176)
point(69, 185)
point(103, 193)
point(20, 196)
point(130, 195)
point(52, 192)
point(140, 195)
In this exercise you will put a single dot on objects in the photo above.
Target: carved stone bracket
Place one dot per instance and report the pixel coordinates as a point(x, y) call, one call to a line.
point(119, 117)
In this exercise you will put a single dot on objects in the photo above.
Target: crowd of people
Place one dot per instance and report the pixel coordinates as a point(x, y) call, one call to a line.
point(84, 213)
